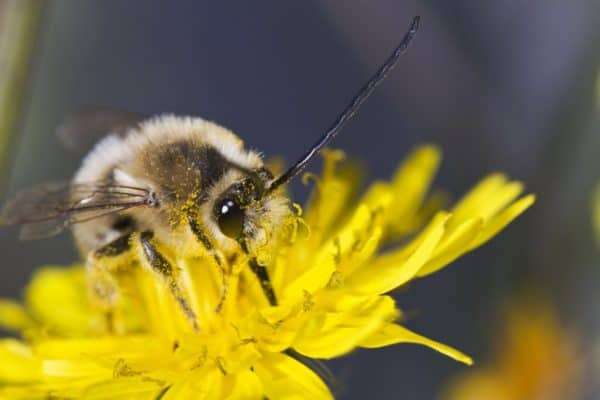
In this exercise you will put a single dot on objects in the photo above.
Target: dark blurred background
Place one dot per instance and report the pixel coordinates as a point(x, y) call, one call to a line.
point(504, 85)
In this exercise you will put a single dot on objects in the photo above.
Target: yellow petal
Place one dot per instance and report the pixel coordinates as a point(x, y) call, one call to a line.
point(332, 193)
point(411, 183)
point(344, 331)
point(200, 385)
point(246, 386)
point(125, 388)
point(471, 202)
point(287, 379)
point(392, 271)
point(488, 197)
point(361, 255)
point(394, 333)
point(473, 233)
point(23, 393)
point(73, 369)
point(57, 297)
point(122, 346)
point(13, 316)
point(454, 244)
point(504, 218)
point(17, 362)
point(340, 300)
point(376, 192)
point(413, 178)
point(318, 273)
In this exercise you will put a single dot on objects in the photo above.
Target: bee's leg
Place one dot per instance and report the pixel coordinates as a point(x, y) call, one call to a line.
point(262, 274)
point(219, 260)
point(225, 275)
point(263, 278)
point(103, 285)
point(163, 268)
point(101, 266)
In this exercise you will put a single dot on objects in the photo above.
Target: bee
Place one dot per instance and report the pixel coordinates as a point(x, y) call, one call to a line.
point(153, 184)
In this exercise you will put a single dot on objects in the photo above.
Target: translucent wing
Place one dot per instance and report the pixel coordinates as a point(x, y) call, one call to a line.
point(48, 209)
point(83, 129)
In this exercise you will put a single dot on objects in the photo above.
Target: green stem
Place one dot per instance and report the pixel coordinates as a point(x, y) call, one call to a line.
point(20, 21)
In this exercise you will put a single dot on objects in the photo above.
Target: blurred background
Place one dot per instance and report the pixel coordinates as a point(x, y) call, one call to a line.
point(499, 86)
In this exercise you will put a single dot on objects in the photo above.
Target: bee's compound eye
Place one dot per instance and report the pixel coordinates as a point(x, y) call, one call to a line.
point(230, 218)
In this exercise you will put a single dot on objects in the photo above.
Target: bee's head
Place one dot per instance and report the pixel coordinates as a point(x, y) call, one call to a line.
point(241, 212)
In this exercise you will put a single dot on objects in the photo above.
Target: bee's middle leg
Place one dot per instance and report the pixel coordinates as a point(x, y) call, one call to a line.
point(101, 266)
point(163, 268)
point(103, 285)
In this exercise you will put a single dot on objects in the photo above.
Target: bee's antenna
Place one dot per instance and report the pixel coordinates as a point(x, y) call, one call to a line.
point(350, 110)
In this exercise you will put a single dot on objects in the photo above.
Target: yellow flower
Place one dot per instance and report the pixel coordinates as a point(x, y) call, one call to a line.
point(536, 358)
point(330, 278)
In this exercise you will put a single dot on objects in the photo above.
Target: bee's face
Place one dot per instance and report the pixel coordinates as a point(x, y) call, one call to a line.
point(241, 213)
point(232, 208)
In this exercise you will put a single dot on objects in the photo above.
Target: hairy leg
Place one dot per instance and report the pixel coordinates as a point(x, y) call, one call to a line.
point(265, 282)
point(217, 256)
point(102, 283)
point(262, 274)
point(101, 265)
point(159, 264)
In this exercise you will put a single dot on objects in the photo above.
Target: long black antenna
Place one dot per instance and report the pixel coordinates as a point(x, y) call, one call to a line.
point(351, 109)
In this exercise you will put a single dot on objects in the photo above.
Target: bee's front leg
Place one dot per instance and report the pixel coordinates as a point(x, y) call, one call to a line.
point(262, 274)
point(217, 257)
point(158, 264)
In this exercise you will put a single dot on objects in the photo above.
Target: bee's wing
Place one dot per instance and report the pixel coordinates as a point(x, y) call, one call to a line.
point(80, 131)
point(47, 209)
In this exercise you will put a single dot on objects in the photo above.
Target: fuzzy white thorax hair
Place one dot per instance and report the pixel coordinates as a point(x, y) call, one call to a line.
point(114, 150)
